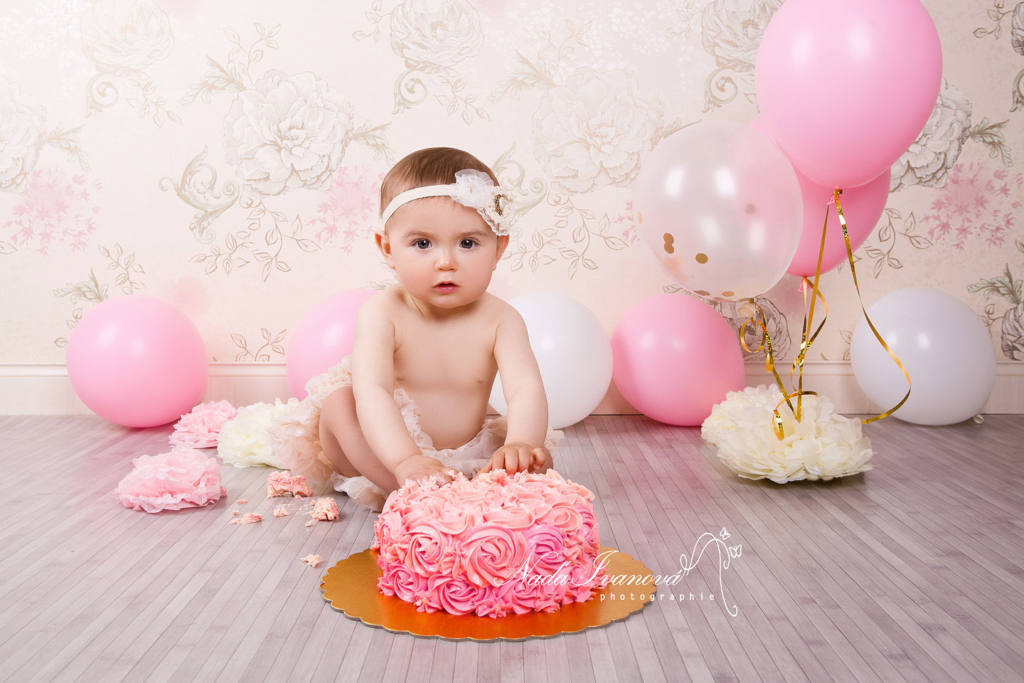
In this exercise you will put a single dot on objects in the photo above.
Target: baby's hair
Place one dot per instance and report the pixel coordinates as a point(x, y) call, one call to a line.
point(430, 166)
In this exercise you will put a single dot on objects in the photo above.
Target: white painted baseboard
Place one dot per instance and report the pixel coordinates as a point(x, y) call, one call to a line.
point(46, 389)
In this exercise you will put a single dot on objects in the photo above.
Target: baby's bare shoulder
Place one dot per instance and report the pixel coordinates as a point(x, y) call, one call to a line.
point(503, 311)
point(505, 322)
point(384, 302)
point(495, 309)
point(377, 312)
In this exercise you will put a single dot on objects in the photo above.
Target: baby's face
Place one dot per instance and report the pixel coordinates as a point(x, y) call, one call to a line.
point(442, 252)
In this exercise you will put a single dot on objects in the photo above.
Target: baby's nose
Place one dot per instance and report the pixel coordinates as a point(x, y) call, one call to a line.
point(445, 260)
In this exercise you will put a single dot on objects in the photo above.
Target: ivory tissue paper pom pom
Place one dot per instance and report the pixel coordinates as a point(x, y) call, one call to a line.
point(200, 427)
point(823, 445)
point(245, 440)
point(179, 479)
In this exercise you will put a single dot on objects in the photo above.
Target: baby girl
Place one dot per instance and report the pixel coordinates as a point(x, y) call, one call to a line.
point(411, 400)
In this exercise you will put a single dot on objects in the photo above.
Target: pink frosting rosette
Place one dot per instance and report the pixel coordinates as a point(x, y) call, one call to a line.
point(453, 594)
point(398, 550)
point(583, 494)
point(491, 604)
point(550, 597)
point(520, 597)
point(431, 551)
point(435, 506)
point(422, 513)
point(564, 516)
point(456, 519)
point(588, 525)
point(410, 493)
point(532, 499)
point(585, 578)
point(575, 547)
point(385, 532)
point(512, 517)
point(491, 554)
point(402, 582)
point(552, 482)
point(200, 427)
point(467, 493)
point(546, 544)
point(179, 479)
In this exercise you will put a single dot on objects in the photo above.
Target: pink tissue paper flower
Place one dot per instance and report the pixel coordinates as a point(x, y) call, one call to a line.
point(201, 427)
point(179, 479)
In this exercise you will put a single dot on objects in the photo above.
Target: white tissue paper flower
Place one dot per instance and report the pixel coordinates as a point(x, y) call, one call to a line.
point(823, 445)
point(245, 440)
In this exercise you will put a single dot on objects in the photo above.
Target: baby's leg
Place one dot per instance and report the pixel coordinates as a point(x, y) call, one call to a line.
point(344, 444)
point(332, 451)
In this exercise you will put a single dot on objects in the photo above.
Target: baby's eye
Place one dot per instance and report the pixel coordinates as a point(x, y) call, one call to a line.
point(467, 243)
point(421, 244)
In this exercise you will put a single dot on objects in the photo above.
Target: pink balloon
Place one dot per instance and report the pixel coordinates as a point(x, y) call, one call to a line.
point(324, 337)
point(845, 87)
point(675, 357)
point(862, 207)
point(137, 361)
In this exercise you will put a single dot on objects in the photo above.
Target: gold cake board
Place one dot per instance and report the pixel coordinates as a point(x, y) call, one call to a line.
point(351, 587)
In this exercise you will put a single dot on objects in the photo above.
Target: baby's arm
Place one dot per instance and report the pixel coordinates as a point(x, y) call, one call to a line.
point(524, 393)
point(373, 382)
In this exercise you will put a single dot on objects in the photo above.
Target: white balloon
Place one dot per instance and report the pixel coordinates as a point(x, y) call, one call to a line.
point(945, 348)
point(573, 352)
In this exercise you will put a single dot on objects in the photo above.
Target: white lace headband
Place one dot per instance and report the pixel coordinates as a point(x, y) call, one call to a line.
point(471, 188)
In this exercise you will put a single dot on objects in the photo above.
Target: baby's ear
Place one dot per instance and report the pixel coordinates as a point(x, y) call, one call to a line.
point(384, 244)
point(502, 246)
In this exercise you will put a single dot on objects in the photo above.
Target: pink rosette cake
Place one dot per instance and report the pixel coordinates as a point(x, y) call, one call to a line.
point(495, 545)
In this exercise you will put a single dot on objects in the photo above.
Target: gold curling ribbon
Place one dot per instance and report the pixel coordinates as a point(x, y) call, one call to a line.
point(769, 365)
point(805, 344)
point(853, 271)
point(805, 341)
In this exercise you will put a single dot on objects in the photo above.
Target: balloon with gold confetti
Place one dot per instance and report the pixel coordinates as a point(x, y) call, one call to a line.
point(720, 206)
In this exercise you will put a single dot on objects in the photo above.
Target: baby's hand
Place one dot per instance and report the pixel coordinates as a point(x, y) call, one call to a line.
point(419, 467)
point(519, 457)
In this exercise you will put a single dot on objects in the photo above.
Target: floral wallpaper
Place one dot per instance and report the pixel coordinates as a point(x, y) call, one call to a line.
point(225, 156)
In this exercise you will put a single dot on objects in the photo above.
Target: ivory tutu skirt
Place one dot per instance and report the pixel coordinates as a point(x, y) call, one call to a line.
point(295, 437)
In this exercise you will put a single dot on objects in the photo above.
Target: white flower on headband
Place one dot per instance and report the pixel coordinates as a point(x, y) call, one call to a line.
point(471, 188)
point(476, 190)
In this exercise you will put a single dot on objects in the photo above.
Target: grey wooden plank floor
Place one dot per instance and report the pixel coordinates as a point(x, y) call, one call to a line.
point(912, 571)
